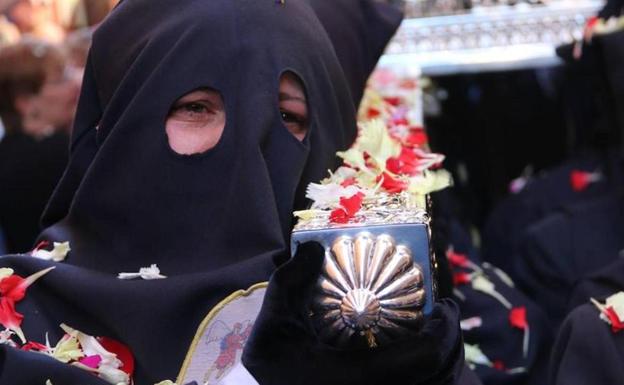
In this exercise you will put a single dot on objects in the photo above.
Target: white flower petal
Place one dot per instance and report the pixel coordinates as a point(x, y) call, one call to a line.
point(57, 254)
point(146, 273)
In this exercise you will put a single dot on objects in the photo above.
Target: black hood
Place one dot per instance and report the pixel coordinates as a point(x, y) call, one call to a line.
point(127, 200)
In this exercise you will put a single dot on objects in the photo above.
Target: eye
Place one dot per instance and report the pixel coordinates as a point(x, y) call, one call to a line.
point(192, 111)
point(295, 123)
point(196, 121)
point(293, 105)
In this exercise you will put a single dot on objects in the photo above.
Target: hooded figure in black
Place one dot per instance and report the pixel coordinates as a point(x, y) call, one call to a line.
point(213, 222)
point(359, 31)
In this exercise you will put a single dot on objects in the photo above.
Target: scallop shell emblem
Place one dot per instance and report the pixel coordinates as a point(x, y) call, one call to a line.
point(369, 286)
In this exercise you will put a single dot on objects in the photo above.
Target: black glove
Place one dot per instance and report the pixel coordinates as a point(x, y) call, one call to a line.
point(284, 349)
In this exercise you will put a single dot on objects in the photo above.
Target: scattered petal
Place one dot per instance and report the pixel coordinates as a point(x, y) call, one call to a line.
point(5, 272)
point(146, 273)
point(91, 361)
point(326, 196)
point(35, 346)
point(67, 349)
point(456, 259)
point(461, 278)
point(392, 184)
point(12, 290)
point(517, 318)
point(339, 216)
point(484, 285)
point(474, 355)
point(470, 323)
point(57, 254)
point(580, 180)
point(377, 143)
point(352, 204)
point(122, 352)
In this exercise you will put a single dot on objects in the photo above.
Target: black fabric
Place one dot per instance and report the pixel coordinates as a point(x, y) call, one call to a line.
point(565, 247)
point(359, 30)
point(42, 367)
point(284, 348)
point(599, 284)
point(587, 352)
point(496, 337)
point(611, 50)
point(29, 171)
point(214, 222)
point(502, 342)
point(544, 195)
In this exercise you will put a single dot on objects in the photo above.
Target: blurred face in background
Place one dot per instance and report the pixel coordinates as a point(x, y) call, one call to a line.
point(38, 90)
point(27, 14)
point(37, 18)
point(57, 100)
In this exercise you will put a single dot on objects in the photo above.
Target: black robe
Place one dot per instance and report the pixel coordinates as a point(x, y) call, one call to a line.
point(215, 222)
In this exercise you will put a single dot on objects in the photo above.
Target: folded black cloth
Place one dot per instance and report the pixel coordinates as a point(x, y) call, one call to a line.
point(565, 247)
point(587, 352)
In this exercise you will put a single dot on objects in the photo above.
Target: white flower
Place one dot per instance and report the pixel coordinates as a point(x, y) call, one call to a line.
point(57, 254)
point(108, 369)
point(147, 273)
point(616, 302)
point(5, 338)
point(326, 196)
point(474, 355)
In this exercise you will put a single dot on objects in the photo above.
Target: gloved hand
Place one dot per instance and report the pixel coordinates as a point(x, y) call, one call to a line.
point(284, 349)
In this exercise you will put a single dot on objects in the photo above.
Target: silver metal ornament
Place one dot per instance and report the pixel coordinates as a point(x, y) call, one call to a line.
point(369, 286)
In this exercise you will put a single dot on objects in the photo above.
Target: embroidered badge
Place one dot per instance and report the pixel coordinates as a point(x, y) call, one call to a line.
point(221, 337)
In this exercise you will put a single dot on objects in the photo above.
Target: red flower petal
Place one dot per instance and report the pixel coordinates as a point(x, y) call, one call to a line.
point(348, 182)
point(393, 100)
point(409, 84)
point(338, 216)
point(12, 287)
point(461, 279)
point(402, 121)
point(406, 163)
point(390, 184)
point(517, 318)
point(353, 204)
point(498, 364)
point(579, 180)
point(41, 245)
point(9, 317)
point(122, 351)
point(373, 113)
point(616, 324)
point(34, 346)
point(459, 260)
point(417, 137)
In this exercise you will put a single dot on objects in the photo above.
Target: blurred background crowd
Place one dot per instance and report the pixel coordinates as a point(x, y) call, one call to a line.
point(43, 49)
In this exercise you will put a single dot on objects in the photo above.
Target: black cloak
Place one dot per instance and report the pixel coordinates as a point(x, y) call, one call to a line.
point(359, 31)
point(213, 222)
point(587, 351)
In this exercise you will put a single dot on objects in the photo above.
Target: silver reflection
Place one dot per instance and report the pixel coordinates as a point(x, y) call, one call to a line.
point(369, 286)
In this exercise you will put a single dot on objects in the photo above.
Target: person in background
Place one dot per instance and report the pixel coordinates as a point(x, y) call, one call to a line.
point(37, 18)
point(9, 33)
point(38, 99)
